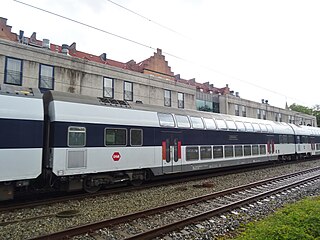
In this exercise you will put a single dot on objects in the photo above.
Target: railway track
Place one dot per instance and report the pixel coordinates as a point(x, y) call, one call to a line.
point(49, 199)
point(155, 222)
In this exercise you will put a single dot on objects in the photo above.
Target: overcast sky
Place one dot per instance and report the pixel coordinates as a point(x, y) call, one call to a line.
point(262, 49)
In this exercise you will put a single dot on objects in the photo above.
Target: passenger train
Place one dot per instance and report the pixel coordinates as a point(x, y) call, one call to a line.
point(71, 142)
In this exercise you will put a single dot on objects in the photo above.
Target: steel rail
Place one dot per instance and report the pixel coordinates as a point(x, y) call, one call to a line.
point(65, 234)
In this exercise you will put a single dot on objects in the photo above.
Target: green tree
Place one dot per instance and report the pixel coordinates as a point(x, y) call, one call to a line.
point(315, 111)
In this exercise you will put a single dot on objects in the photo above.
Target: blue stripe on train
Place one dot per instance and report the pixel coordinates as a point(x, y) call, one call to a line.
point(15, 133)
point(153, 136)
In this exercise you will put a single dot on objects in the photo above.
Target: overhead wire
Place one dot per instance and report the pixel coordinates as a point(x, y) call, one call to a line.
point(150, 47)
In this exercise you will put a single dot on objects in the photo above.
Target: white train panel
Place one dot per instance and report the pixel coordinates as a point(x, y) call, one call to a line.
point(20, 164)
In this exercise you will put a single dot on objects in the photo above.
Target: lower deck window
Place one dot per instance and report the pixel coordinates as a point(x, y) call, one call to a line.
point(238, 151)
point(263, 150)
point(115, 137)
point(255, 150)
point(76, 136)
point(205, 152)
point(228, 151)
point(192, 153)
point(247, 150)
point(217, 152)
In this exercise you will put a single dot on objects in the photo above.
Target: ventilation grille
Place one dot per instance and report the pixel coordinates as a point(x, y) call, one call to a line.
point(77, 159)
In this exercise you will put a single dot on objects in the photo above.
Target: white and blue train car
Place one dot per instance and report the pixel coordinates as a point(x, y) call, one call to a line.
point(97, 142)
point(21, 138)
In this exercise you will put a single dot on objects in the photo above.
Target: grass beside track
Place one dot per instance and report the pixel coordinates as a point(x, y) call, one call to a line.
point(295, 221)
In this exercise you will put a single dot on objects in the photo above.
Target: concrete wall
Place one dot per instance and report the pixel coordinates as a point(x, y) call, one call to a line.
point(228, 102)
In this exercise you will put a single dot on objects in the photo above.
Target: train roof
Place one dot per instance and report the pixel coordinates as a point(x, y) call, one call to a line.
point(20, 103)
point(147, 115)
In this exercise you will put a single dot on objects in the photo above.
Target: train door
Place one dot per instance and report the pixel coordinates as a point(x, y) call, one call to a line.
point(171, 152)
point(270, 145)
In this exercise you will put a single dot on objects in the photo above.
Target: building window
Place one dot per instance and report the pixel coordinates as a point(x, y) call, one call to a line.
point(180, 100)
point(128, 91)
point(264, 115)
point(167, 98)
point(236, 110)
point(46, 77)
point(244, 111)
point(258, 114)
point(13, 71)
point(108, 90)
point(280, 117)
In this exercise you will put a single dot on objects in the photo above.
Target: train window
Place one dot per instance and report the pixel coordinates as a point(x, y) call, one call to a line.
point(238, 150)
point(166, 120)
point(285, 139)
point(290, 139)
point(221, 124)
point(270, 128)
point(209, 123)
point(256, 127)
point(76, 136)
point(115, 137)
point(280, 139)
point(263, 149)
point(248, 127)
point(228, 151)
point(247, 150)
point(255, 150)
point(217, 152)
point(240, 126)
point(197, 122)
point(205, 152)
point(182, 121)
point(192, 153)
point(231, 125)
point(263, 127)
point(136, 137)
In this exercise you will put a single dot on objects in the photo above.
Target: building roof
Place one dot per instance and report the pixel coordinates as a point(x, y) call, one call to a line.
point(155, 65)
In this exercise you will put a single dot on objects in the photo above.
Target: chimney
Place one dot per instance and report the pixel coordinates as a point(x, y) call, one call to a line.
point(177, 77)
point(73, 48)
point(46, 43)
point(65, 49)
point(159, 51)
point(192, 80)
point(103, 57)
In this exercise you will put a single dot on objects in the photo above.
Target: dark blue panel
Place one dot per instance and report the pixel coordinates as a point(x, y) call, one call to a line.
point(21, 133)
point(155, 136)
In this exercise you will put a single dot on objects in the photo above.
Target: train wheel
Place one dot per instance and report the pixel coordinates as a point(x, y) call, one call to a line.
point(91, 189)
point(136, 182)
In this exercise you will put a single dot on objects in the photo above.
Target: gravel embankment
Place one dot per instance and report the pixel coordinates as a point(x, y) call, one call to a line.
point(99, 208)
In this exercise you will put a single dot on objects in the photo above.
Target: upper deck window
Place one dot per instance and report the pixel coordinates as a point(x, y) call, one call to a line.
point(270, 128)
point(115, 137)
point(240, 126)
point(221, 124)
point(76, 136)
point(248, 126)
point(197, 122)
point(166, 120)
point(263, 127)
point(209, 123)
point(231, 125)
point(182, 121)
point(256, 127)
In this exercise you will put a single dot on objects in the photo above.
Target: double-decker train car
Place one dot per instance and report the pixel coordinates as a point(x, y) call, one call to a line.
point(80, 142)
